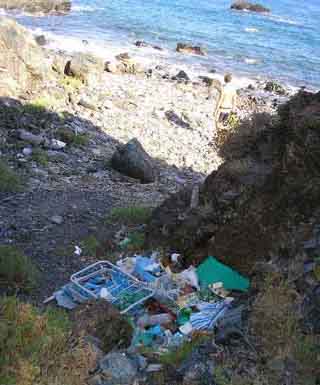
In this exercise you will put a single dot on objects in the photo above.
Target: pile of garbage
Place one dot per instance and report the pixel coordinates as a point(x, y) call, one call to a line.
point(165, 308)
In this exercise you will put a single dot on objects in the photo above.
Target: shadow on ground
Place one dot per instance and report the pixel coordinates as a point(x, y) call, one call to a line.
point(67, 194)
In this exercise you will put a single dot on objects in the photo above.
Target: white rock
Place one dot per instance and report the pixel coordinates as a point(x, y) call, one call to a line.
point(57, 219)
point(56, 144)
point(27, 151)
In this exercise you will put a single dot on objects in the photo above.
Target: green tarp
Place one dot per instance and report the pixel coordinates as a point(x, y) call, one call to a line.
point(212, 271)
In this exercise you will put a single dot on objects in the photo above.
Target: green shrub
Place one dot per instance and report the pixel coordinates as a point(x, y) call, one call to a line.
point(72, 139)
point(40, 156)
point(16, 270)
point(9, 181)
point(90, 245)
point(34, 347)
point(40, 105)
point(70, 83)
point(130, 215)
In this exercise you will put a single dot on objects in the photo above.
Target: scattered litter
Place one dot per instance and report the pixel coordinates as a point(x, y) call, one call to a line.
point(187, 328)
point(209, 314)
point(125, 243)
point(212, 271)
point(154, 368)
point(175, 257)
point(165, 308)
point(123, 290)
point(77, 251)
point(157, 319)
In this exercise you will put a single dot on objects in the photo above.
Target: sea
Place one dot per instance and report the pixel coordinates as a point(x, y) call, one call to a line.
point(283, 45)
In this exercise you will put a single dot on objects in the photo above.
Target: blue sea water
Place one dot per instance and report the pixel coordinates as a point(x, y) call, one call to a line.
point(283, 45)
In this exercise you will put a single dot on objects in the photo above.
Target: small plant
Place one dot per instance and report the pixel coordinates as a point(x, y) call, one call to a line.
point(137, 240)
point(40, 156)
point(220, 376)
point(71, 83)
point(276, 326)
point(233, 121)
point(90, 245)
point(130, 215)
point(73, 139)
point(16, 270)
point(40, 105)
point(9, 181)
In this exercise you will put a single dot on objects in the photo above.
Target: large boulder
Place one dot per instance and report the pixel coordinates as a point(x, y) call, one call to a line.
point(85, 67)
point(132, 160)
point(36, 6)
point(242, 5)
point(186, 48)
point(22, 62)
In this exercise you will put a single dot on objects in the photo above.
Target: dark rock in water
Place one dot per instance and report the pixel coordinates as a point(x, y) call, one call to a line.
point(141, 43)
point(132, 160)
point(22, 62)
point(104, 322)
point(41, 40)
point(181, 76)
point(242, 5)
point(186, 48)
point(275, 87)
point(44, 6)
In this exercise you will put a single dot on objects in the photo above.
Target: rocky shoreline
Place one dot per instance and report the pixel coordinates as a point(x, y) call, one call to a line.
point(86, 112)
point(81, 137)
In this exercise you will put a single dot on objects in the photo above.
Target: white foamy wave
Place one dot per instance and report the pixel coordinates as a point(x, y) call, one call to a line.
point(251, 61)
point(85, 8)
point(284, 20)
point(252, 30)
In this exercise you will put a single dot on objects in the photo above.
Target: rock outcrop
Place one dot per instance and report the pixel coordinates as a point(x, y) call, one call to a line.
point(189, 49)
point(275, 87)
point(85, 67)
point(22, 62)
point(132, 160)
point(251, 207)
point(123, 64)
point(37, 6)
point(243, 5)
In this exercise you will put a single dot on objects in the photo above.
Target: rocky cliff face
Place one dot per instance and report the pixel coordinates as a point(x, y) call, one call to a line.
point(36, 6)
point(262, 201)
point(22, 62)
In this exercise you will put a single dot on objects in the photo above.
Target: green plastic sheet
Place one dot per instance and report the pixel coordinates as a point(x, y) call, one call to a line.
point(212, 271)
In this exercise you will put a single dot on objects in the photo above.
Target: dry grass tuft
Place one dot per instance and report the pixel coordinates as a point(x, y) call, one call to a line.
point(36, 348)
